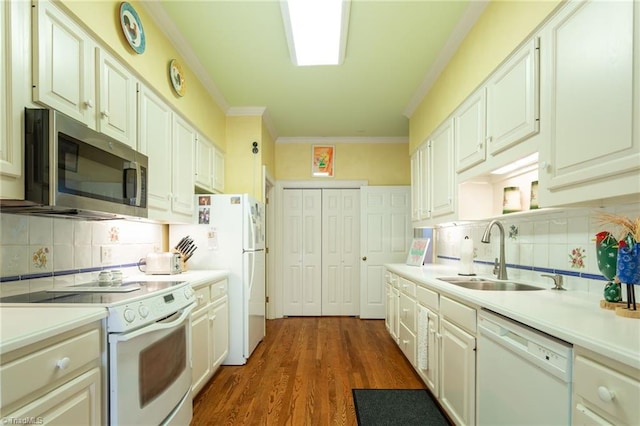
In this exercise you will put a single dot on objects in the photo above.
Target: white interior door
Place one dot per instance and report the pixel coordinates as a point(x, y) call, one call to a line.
point(340, 251)
point(302, 254)
point(385, 235)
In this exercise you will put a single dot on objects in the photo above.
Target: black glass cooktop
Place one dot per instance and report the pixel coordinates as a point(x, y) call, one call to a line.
point(92, 293)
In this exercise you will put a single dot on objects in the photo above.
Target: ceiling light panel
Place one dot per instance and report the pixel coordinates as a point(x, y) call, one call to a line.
point(316, 30)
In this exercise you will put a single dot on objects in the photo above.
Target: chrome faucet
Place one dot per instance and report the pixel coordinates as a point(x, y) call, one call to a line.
point(500, 268)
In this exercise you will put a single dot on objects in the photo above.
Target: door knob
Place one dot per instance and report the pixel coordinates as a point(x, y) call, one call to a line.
point(364, 258)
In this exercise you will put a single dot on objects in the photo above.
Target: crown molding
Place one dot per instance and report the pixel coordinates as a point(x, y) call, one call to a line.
point(460, 31)
point(175, 37)
point(344, 140)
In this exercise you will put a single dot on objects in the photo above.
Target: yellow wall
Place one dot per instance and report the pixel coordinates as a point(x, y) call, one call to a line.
point(243, 168)
point(102, 19)
point(500, 29)
point(379, 163)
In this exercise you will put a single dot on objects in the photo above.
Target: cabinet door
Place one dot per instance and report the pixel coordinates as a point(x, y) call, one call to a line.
point(457, 373)
point(218, 170)
point(416, 185)
point(593, 148)
point(433, 345)
point(220, 319)
point(16, 88)
point(155, 142)
point(184, 144)
point(77, 402)
point(201, 349)
point(513, 99)
point(470, 131)
point(395, 314)
point(63, 64)
point(117, 101)
point(204, 164)
point(441, 171)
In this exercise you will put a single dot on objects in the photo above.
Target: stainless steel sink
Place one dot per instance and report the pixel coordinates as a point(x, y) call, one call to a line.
point(475, 283)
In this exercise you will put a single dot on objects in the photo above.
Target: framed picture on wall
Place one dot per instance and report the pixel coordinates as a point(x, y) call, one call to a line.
point(323, 159)
point(417, 251)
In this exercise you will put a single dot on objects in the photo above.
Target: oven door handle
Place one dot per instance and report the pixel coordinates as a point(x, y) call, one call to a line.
point(123, 337)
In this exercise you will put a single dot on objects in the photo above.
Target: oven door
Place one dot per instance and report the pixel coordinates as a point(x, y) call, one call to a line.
point(150, 371)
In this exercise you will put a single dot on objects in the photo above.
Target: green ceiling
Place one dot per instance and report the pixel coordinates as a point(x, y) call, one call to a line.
point(391, 46)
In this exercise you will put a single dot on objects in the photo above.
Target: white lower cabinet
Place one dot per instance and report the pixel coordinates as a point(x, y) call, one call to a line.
point(57, 380)
point(209, 332)
point(605, 392)
point(392, 317)
point(450, 372)
point(457, 373)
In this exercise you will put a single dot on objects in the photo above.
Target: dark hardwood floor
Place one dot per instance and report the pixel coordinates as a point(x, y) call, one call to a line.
point(302, 373)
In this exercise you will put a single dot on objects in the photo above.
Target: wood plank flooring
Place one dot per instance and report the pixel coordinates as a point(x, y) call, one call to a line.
point(302, 373)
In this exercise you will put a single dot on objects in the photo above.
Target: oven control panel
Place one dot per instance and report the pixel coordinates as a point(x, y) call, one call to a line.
point(154, 307)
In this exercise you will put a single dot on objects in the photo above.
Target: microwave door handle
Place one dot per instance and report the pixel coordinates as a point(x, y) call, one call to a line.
point(138, 186)
point(132, 195)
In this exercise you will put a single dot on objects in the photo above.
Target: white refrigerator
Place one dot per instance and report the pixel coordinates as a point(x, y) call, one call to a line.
point(230, 235)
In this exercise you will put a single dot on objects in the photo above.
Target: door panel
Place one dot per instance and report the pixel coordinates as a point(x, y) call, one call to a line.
point(385, 235)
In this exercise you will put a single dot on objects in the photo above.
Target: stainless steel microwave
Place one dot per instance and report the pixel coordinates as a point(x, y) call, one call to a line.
point(72, 170)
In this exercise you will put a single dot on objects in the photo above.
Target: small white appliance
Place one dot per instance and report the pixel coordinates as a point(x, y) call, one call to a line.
point(164, 263)
point(230, 236)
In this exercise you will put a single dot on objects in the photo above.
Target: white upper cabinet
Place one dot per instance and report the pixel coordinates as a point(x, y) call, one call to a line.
point(204, 164)
point(76, 77)
point(513, 99)
point(63, 64)
point(184, 145)
point(15, 64)
point(420, 183)
point(442, 174)
point(117, 100)
point(470, 131)
point(592, 75)
point(155, 142)
point(218, 170)
point(209, 166)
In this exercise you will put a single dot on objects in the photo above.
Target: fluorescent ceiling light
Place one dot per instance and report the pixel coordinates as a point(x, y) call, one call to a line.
point(316, 30)
point(523, 162)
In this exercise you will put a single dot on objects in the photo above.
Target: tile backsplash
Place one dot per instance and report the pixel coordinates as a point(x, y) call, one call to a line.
point(555, 241)
point(38, 253)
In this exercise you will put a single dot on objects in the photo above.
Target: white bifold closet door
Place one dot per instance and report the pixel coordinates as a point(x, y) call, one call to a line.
point(302, 252)
point(340, 252)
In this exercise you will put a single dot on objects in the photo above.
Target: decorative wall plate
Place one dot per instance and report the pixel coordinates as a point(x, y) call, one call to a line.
point(132, 27)
point(176, 75)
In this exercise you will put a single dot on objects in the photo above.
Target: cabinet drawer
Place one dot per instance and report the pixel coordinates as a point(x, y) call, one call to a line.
point(593, 381)
point(407, 343)
point(203, 295)
point(408, 312)
point(427, 297)
point(38, 369)
point(218, 290)
point(407, 287)
point(460, 314)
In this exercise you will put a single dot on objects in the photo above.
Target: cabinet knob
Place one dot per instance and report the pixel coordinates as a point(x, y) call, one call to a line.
point(89, 103)
point(364, 258)
point(212, 318)
point(545, 165)
point(605, 394)
point(489, 139)
point(63, 363)
point(105, 114)
point(480, 145)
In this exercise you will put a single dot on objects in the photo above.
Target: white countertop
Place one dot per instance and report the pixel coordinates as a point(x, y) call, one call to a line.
point(572, 316)
point(22, 324)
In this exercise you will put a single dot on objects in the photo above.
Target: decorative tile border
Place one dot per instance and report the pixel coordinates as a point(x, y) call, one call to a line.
point(65, 272)
point(537, 269)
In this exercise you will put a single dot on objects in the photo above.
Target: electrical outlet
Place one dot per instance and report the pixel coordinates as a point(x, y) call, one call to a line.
point(105, 254)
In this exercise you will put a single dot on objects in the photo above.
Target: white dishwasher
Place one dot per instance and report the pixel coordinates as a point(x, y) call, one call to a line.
point(523, 375)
